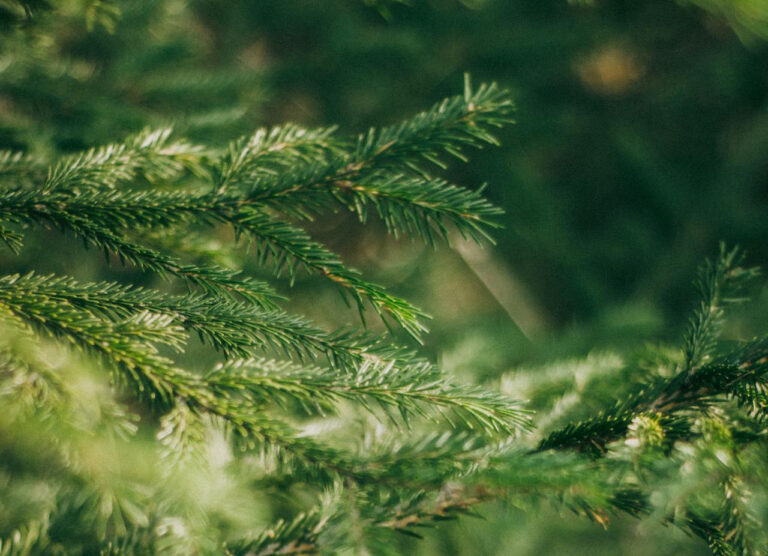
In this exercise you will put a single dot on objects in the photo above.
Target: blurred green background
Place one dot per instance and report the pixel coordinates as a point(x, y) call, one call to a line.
point(641, 142)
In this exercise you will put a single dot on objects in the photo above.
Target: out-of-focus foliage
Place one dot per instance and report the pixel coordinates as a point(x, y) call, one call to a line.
point(640, 143)
point(749, 18)
point(84, 72)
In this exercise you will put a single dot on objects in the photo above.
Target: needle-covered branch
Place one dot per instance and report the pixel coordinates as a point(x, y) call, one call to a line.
point(418, 388)
point(700, 380)
point(285, 170)
point(384, 168)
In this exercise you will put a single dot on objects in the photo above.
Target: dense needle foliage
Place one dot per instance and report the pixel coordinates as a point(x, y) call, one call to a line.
point(302, 439)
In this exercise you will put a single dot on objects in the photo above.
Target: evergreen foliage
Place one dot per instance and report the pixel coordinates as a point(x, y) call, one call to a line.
point(300, 439)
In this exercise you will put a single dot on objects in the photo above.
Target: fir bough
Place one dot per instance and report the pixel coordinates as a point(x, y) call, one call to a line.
point(301, 439)
point(116, 199)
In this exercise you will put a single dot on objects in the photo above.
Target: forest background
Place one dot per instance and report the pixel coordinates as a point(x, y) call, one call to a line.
point(640, 143)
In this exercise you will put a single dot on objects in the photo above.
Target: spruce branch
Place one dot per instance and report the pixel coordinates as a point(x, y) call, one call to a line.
point(16, 167)
point(412, 514)
point(741, 374)
point(447, 128)
point(565, 480)
point(414, 389)
point(289, 247)
point(94, 219)
point(721, 283)
point(383, 169)
point(149, 154)
point(234, 327)
point(231, 326)
point(728, 526)
point(96, 215)
point(128, 345)
point(12, 239)
point(418, 206)
point(78, 309)
point(699, 382)
point(301, 535)
point(268, 153)
point(81, 195)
